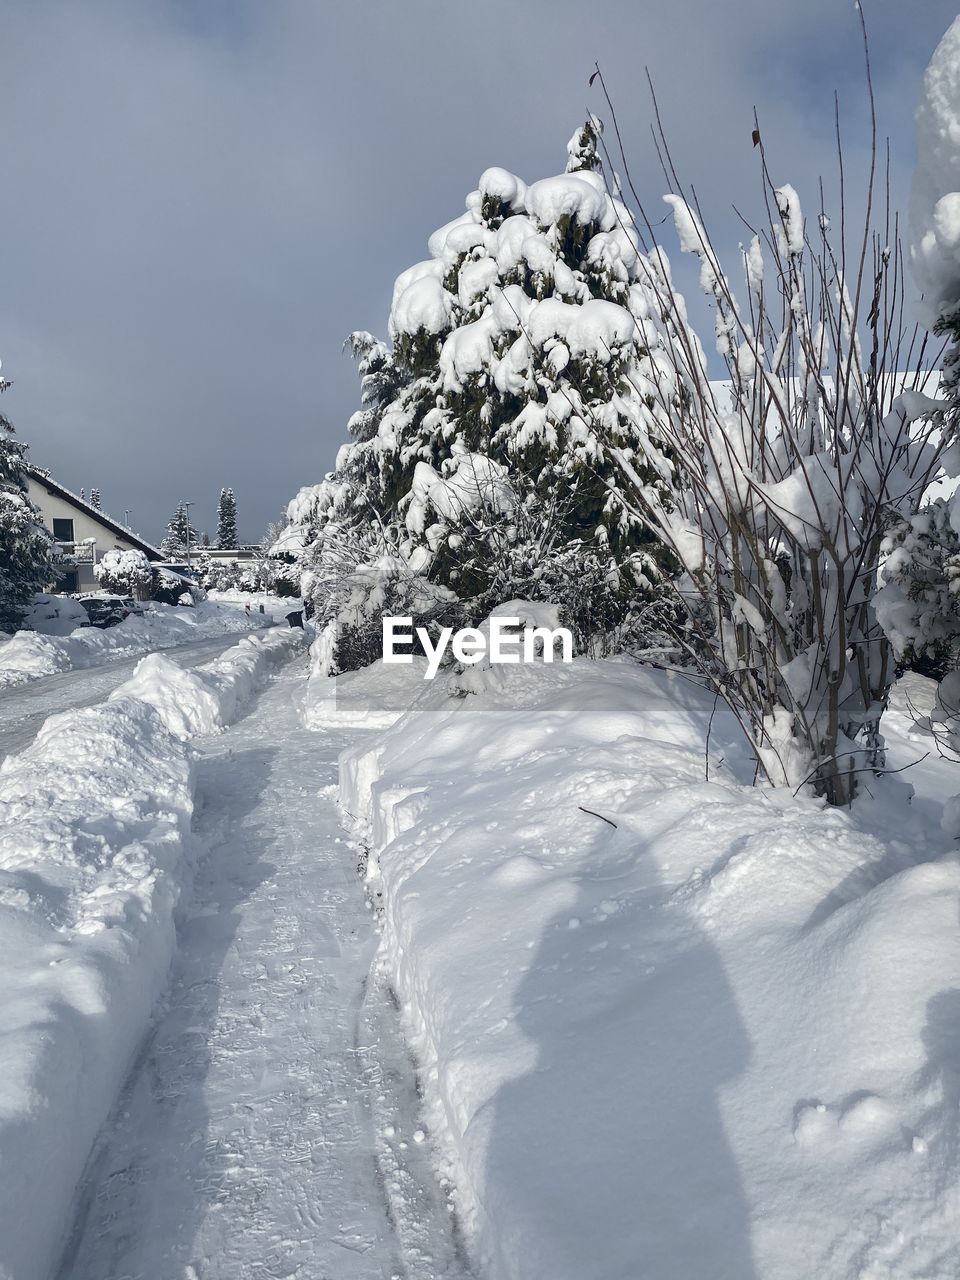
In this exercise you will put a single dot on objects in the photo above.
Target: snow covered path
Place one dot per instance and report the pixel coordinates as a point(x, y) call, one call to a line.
point(270, 1127)
point(24, 708)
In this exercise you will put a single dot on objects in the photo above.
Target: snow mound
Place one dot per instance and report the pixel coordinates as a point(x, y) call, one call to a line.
point(29, 655)
point(373, 698)
point(55, 615)
point(94, 819)
point(421, 304)
point(722, 1019)
point(94, 838)
point(206, 699)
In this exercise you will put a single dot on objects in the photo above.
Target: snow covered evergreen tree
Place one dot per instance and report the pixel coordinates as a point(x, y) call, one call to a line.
point(95, 499)
point(227, 537)
point(180, 534)
point(529, 343)
point(26, 548)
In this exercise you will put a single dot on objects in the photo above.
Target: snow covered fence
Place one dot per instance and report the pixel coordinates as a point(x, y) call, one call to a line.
point(206, 699)
point(664, 1025)
point(94, 855)
point(94, 822)
point(29, 655)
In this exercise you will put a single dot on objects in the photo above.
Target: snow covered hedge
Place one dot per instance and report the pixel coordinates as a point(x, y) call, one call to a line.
point(715, 1039)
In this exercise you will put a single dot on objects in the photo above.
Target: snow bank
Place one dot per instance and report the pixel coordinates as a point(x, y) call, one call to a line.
point(373, 698)
point(94, 840)
point(94, 819)
point(716, 1039)
point(277, 606)
point(206, 699)
point(29, 655)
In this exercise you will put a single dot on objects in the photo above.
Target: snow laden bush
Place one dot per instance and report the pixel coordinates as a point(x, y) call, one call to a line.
point(127, 573)
point(919, 602)
point(786, 481)
point(358, 576)
point(523, 351)
point(509, 543)
point(26, 548)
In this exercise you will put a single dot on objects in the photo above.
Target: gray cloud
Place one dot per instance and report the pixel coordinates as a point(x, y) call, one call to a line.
point(202, 198)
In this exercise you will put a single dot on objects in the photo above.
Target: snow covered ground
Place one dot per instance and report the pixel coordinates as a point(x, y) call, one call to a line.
point(279, 606)
point(663, 1025)
point(270, 1126)
point(95, 852)
point(24, 708)
point(666, 1026)
point(28, 655)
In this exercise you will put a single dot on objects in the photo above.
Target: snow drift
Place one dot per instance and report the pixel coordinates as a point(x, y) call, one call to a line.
point(94, 855)
point(666, 1025)
point(94, 822)
point(206, 699)
point(29, 655)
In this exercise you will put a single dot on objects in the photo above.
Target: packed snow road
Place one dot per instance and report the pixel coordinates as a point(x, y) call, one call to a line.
point(270, 1127)
point(24, 708)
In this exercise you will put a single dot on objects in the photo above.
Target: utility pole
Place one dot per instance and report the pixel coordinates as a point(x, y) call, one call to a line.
point(187, 506)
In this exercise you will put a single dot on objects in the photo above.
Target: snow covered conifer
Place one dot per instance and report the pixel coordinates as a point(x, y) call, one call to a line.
point(26, 549)
point(180, 535)
point(95, 499)
point(529, 342)
point(227, 537)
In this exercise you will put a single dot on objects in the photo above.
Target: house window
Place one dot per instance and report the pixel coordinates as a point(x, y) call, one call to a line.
point(70, 582)
point(62, 530)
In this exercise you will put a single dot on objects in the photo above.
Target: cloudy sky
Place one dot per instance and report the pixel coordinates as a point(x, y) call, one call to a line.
point(201, 198)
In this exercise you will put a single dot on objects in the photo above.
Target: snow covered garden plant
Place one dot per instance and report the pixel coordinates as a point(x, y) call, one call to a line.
point(357, 577)
point(127, 573)
point(787, 478)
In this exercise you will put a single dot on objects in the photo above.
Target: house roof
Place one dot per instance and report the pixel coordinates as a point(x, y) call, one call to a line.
point(39, 476)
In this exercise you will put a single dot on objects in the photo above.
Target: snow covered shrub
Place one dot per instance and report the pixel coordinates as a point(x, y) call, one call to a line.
point(26, 548)
point(787, 479)
point(356, 578)
point(919, 602)
point(508, 543)
point(170, 588)
point(126, 573)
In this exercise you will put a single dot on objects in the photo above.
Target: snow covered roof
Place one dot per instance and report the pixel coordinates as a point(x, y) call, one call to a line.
point(39, 476)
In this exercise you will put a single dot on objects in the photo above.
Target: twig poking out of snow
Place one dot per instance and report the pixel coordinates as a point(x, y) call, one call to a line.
point(608, 821)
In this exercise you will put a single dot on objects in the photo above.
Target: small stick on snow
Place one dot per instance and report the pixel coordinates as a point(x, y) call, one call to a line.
point(608, 821)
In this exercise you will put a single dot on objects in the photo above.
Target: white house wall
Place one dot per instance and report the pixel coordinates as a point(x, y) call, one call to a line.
point(85, 525)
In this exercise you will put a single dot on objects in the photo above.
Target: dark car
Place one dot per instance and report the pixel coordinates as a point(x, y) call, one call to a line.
point(105, 611)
